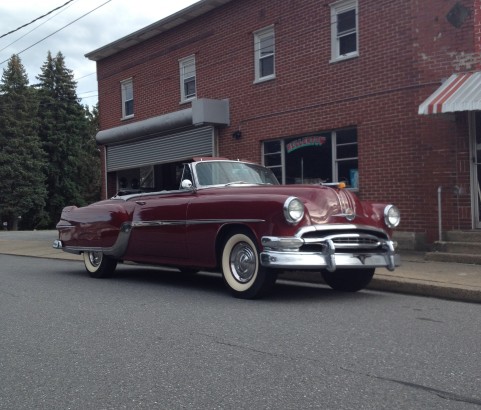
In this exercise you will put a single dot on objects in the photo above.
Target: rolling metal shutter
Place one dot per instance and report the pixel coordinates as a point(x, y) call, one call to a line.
point(161, 149)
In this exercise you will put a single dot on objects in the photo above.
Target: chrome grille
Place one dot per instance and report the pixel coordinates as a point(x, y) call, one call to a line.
point(356, 240)
point(346, 240)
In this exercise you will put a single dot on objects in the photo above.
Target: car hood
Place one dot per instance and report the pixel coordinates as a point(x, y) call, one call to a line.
point(324, 204)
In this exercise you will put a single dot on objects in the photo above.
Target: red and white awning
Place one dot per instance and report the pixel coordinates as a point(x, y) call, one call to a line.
point(460, 92)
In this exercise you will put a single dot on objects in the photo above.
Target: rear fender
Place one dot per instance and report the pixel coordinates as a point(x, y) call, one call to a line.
point(94, 226)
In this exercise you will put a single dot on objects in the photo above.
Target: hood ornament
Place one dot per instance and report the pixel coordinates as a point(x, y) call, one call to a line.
point(349, 214)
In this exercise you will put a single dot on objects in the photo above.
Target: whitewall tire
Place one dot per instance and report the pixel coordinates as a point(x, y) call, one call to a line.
point(241, 268)
point(98, 265)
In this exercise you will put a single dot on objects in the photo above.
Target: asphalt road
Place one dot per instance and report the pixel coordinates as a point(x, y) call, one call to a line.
point(155, 339)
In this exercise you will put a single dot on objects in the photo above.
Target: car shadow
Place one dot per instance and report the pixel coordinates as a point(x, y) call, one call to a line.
point(292, 291)
point(155, 275)
point(285, 290)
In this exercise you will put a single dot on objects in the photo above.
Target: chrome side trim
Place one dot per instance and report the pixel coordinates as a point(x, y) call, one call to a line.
point(150, 224)
point(145, 224)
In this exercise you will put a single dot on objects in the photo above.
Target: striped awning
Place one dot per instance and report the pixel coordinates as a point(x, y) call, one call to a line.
point(460, 92)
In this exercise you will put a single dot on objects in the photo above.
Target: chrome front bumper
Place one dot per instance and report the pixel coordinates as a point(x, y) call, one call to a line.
point(284, 253)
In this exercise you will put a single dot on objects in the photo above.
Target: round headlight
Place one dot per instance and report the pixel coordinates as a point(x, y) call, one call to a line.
point(392, 216)
point(293, 210)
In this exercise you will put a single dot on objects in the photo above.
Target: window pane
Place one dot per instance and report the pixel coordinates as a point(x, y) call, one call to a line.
point(346, 21)
point(129, 107)
point(267, 45)
point(277, 172)
point(189, 69)
point(347, 171)
point(272, 159)
point(266, 66)
point(272, 146)
point(347, 151)
point(189, 88)
point(128, 91)
point(347, 44)
point(346, 136)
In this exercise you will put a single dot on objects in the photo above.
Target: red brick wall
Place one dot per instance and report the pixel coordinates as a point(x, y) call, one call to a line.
point(405, 49)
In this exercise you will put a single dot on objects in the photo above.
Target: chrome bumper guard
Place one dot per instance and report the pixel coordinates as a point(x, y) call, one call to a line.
point(283, 252)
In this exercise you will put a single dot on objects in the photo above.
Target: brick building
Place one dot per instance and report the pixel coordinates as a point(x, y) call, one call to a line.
point(315, 89)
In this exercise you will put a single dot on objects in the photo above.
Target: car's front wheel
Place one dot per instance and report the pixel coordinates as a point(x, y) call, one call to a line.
point(348, 280)
point(98, 265)
point(241, 269)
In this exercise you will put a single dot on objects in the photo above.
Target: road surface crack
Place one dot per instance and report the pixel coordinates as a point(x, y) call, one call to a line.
point(440, 393)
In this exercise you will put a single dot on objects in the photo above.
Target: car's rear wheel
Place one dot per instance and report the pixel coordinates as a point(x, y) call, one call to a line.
point(242, 271)
point(98, 265)
point(348, 280)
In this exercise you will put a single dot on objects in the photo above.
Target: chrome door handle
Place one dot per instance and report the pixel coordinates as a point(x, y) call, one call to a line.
point(140, 202)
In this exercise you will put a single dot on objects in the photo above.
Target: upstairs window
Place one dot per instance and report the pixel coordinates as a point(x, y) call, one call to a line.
point(264, 52)
point(344, 30)
point(187, 79)
point(127, 87)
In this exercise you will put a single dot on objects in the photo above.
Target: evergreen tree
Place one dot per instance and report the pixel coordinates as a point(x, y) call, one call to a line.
point(22, 161)
point(65, 134)
point(90, 176)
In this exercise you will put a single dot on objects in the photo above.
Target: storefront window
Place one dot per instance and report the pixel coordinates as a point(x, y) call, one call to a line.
point(308, 159)
point(315, 158)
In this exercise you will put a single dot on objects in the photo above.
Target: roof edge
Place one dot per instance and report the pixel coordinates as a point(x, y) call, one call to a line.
point(174, 20)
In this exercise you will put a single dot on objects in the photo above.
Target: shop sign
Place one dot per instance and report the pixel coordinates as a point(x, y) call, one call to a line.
point(305, 142)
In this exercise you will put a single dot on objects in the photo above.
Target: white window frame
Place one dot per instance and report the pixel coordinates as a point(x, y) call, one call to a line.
point(187, 73)
point(127, 89)
point(259, 36)
point(336, 9)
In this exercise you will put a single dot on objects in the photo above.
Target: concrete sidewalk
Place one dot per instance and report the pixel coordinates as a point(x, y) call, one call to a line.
point(415, 276)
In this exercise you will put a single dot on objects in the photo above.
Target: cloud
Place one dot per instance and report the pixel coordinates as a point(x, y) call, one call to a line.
point(80, 27)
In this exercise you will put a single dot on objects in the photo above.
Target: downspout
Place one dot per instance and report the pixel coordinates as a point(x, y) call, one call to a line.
point(440, 217)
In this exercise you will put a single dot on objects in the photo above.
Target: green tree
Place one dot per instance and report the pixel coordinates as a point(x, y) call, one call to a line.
point(66, 136)
point(22, 161)
point(90, 175)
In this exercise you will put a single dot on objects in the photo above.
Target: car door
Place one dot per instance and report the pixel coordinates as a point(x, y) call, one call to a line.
point(159, 227)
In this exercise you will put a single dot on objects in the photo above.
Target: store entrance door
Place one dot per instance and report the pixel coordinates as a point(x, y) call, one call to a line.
point(476, 169)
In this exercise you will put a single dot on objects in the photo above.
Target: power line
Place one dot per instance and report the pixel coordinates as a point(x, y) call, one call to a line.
point(60, 29)
point(38, 18)
point(35, 28)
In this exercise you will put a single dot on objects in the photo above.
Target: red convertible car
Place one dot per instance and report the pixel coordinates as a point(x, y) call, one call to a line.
point(233, 216)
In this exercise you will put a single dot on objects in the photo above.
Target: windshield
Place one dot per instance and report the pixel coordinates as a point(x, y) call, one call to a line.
point(226, 173)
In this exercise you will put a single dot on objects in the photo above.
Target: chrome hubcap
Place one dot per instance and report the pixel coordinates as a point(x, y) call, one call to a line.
point(243, 263)
point(95, 258)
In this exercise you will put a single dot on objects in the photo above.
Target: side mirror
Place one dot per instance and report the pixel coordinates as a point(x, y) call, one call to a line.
point(186, 184)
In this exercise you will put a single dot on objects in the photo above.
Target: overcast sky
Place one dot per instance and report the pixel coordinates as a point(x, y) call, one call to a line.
point(99, 22)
